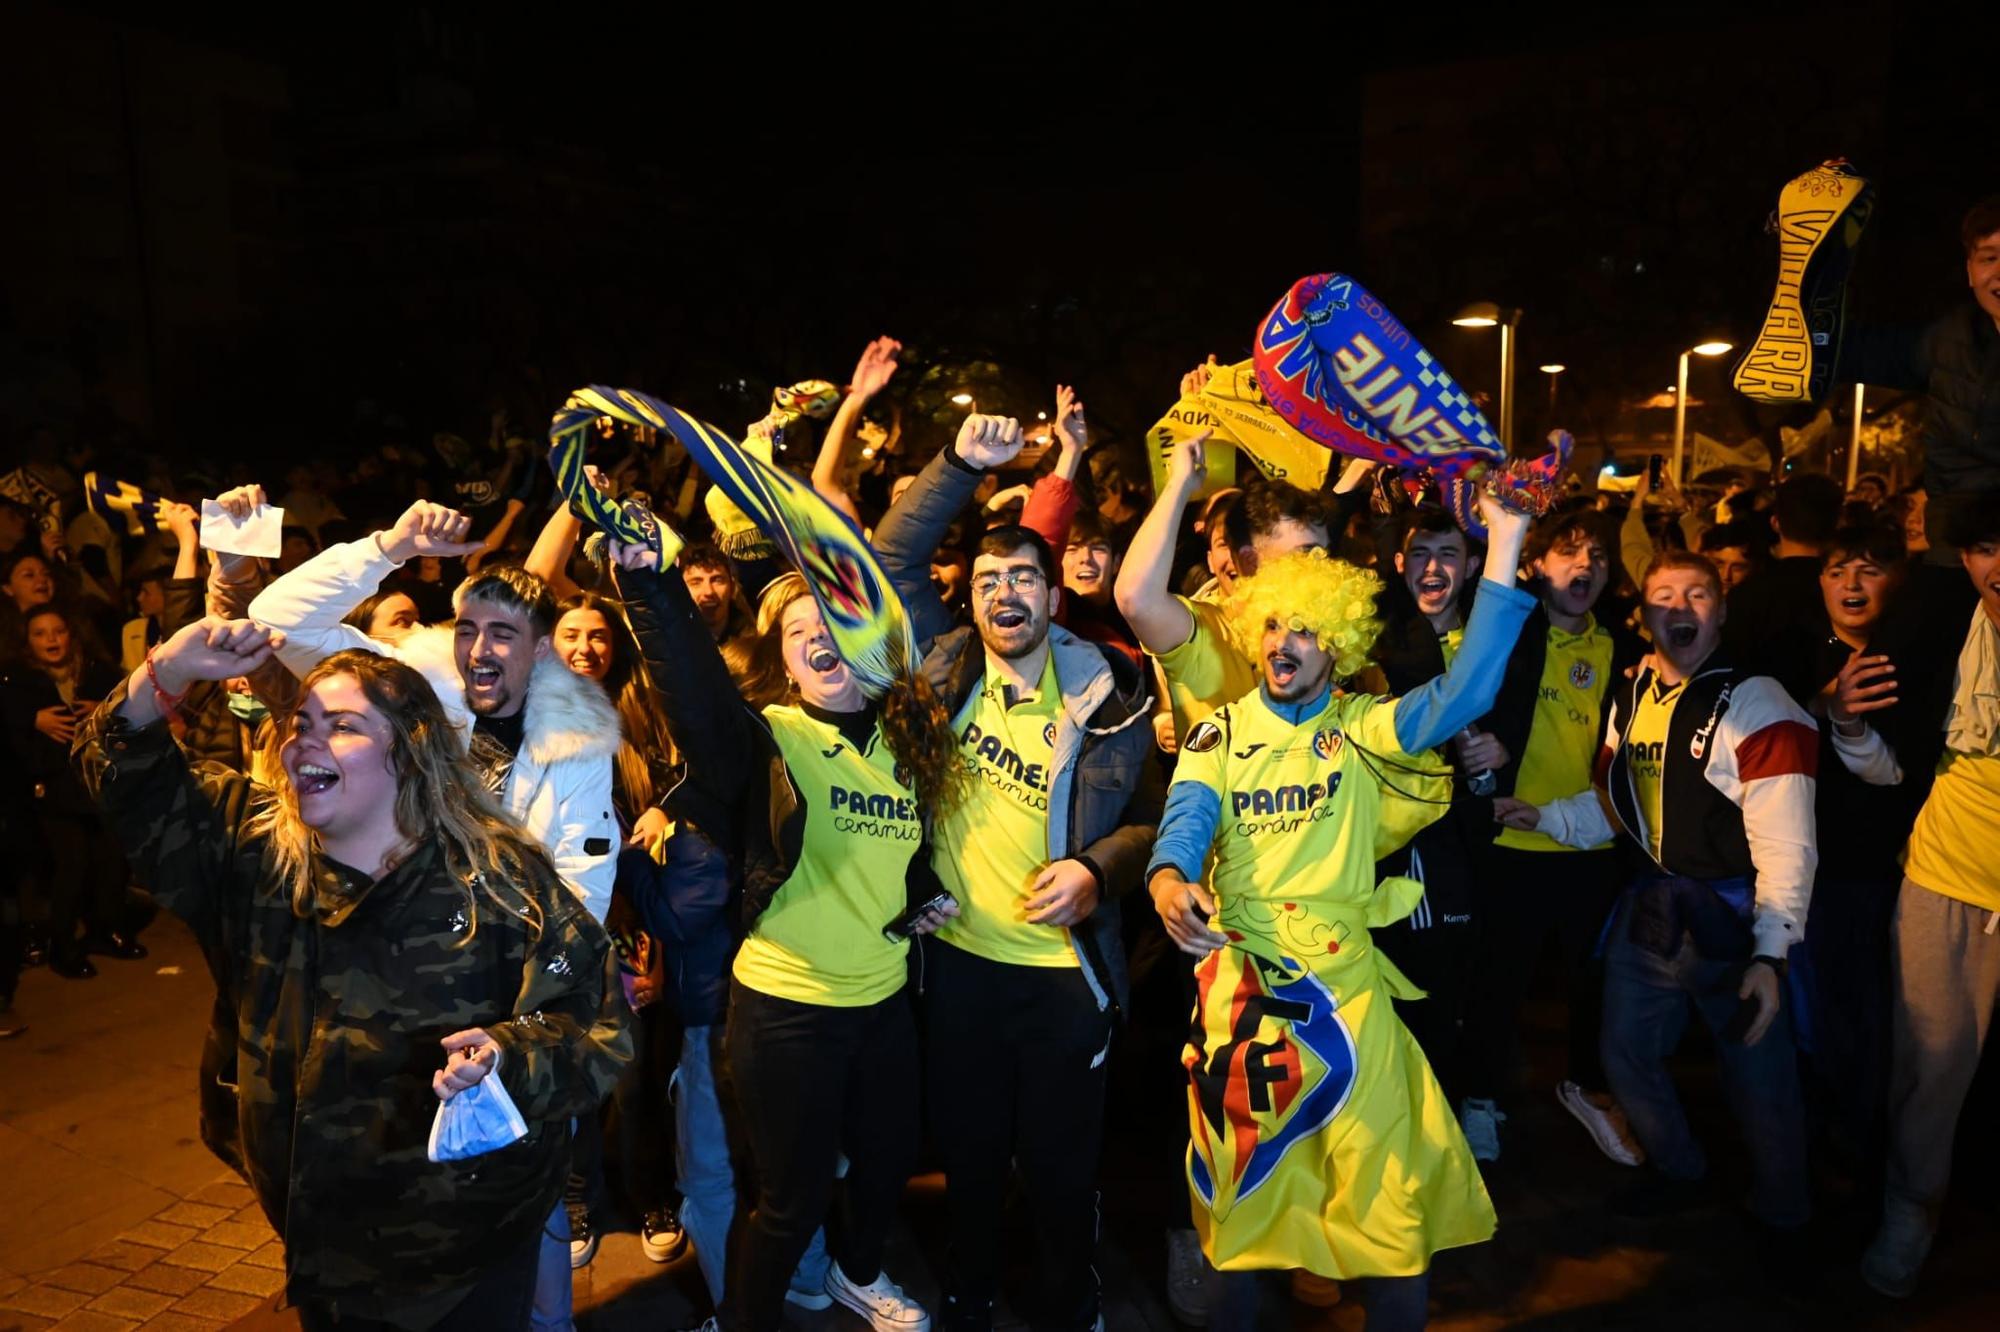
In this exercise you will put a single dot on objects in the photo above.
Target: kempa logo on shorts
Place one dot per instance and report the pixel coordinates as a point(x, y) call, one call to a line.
point(1582, 674)
point(1204, 737)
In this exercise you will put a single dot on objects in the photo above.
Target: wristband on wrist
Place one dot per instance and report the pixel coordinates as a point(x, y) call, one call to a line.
point(168, 702)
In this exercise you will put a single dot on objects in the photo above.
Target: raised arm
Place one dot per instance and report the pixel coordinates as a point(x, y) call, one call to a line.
point(871, 375)
point(181, 833)
point(496, 538)
point(709, 721)
point(308, 604)
point(1160, 619)
point(910, 532)
point(1440, 708)
point(1053, 502)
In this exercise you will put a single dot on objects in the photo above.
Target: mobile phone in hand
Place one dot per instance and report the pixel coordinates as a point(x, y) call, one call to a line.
point(1656, 470)
point(905, 925)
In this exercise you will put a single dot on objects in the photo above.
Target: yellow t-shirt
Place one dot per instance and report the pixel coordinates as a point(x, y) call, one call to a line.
point(1302, 812)
point(820, 940)
point(991, 847)
point(1952, 846)
point(1208, 670)
point(1645, 745)
point(1448, 644)
point(1562, 738)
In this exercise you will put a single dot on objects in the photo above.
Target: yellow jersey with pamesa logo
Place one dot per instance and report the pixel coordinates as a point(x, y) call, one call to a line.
point(1319, 1138)
point(1564, 735)
point(991, 847)
point(820, 940)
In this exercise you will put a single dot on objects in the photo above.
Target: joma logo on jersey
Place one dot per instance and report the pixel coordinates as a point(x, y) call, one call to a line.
point(1294, 799)
point(874, 806)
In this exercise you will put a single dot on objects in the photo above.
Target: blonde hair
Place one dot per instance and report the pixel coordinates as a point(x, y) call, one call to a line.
point(436, 795)
point(1308, 591)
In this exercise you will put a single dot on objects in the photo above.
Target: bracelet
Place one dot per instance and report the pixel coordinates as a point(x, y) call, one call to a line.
point(168, 702)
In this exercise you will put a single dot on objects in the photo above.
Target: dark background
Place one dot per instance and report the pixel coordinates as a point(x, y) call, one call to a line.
point(248, 236)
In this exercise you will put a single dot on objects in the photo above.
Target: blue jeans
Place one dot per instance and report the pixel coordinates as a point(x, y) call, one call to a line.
point(552, 1306)
point(1646, 1002)
point(707, 1177)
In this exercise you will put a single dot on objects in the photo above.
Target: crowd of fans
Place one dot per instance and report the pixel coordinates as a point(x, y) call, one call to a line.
point(1733, 752)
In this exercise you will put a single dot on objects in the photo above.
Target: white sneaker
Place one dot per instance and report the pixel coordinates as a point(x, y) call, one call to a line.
point(1190, 1279)
point(1481, 1121)
point(1897, 1253)
point(882, 1302)
point(1607, 1125)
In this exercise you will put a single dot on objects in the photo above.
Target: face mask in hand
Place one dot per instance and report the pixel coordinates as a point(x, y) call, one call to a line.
point(247, 709)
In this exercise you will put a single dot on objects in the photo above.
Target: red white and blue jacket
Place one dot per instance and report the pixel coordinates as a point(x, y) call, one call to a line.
point(1736, 796)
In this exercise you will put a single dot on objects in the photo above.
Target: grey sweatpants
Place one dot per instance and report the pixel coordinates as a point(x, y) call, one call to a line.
point(1947, 974)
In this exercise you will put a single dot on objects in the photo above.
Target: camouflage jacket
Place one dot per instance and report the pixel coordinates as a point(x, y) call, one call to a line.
point(338, 1018)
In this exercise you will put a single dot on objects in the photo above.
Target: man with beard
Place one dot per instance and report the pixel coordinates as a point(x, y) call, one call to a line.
point(1026, 984)
point(1709, 772)
point(1322, 1140)
point(1547, 722)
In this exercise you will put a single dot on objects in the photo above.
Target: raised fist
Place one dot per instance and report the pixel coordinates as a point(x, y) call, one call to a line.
point(427, 529)
point(987, 442)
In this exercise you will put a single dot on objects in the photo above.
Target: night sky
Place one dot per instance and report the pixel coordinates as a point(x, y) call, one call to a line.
point(231, 236)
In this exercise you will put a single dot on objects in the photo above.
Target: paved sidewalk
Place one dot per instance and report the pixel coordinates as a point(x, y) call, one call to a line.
point(114, 1217)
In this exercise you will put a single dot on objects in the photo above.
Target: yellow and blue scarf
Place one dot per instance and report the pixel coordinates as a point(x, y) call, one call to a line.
point(140, 508)
point(862, 611)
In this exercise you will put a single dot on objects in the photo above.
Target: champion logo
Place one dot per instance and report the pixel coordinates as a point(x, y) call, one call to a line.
point(1049, 735)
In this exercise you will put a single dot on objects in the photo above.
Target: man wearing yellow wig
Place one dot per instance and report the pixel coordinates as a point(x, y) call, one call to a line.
point(1321, 1139)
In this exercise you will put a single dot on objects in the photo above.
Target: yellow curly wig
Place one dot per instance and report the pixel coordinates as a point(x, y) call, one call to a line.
point(1310, 592)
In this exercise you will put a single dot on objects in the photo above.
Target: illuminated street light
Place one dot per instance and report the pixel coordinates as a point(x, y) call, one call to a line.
point(962, 398)
point(1554, 372)
point(1712, 347)
point(1485, 314)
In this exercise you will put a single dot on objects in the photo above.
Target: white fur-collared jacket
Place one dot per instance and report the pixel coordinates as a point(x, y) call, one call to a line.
point(560, 785)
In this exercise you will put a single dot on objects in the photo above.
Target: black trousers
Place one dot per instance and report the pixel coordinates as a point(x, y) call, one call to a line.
point(1437, 952)
point(813, 1082)
point(87, 878)
point(1016, 1058)
point(1525, 897)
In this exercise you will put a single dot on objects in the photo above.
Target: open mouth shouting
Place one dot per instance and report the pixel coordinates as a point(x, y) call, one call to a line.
point(1282, 668)
point(1682, 633)
point(311, 779)
point(823, 659)
point(1433, 588)
point(1007, 616)
point(482, 679)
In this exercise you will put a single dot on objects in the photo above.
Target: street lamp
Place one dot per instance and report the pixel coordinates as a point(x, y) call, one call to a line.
point(1485, 314)
point(1553, 372)
point(962, 398)
point(1713, 347)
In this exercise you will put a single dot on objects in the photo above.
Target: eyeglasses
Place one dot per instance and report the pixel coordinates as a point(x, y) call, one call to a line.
point(1019, 580)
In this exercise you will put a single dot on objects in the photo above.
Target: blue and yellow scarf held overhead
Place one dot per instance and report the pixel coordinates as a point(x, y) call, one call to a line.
point(140, 509)
point(862, 611)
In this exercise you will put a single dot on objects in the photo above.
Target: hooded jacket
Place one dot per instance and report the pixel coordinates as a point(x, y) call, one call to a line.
point(1104, 789)
point(559, 787)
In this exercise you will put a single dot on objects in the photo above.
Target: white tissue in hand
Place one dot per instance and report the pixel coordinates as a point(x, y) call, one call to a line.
point(259, 534)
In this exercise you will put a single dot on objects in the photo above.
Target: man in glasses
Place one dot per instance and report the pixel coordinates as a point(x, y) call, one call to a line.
point(1055, 823)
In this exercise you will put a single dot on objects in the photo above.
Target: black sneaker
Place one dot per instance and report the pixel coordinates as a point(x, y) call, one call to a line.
point(661, 1235)
point(582, 1239)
